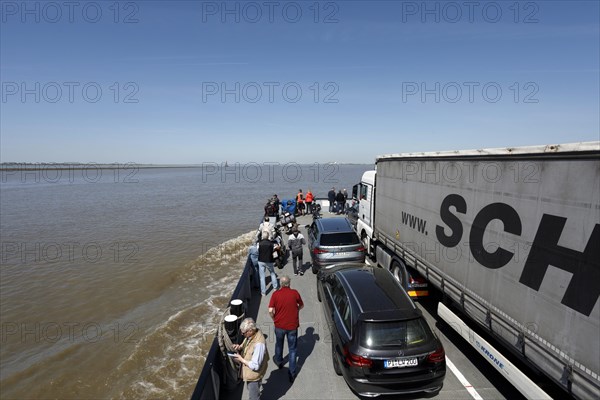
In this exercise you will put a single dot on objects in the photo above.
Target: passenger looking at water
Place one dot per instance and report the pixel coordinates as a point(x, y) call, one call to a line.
point(295, 242)
point(253, 254)
point(284, 309)
point(253, 356)
point(309, 201)
point(340, 201)
point(300, 202)
point(277, 204)
point(265, 262)
point(271, 209)
point(331, 198)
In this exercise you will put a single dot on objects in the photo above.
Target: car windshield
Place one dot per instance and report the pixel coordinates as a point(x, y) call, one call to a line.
point(339, 239)
point(403, 334)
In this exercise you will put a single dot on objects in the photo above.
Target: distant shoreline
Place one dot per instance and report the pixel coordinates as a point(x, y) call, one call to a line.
point(79, 166)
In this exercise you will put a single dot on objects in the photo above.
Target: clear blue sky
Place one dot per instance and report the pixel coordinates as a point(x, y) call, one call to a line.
point(391, 77)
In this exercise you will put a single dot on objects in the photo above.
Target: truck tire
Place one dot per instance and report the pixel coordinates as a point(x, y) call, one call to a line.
point(398, 269)
point(366, 242)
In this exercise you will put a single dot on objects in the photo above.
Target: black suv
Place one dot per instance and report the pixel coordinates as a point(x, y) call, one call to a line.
point(381, 342)
point(331, 241)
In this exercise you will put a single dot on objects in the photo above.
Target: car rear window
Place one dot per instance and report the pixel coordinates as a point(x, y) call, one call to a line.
point(339, 239)
point(403, 334)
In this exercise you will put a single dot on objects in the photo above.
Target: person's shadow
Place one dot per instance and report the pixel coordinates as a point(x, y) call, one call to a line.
point(306, 345)
point(277, 384)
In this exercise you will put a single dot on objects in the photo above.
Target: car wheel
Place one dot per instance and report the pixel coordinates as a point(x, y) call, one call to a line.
point(399, 271)
point(336, 366)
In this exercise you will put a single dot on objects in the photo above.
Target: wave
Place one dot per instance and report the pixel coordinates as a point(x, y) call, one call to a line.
point(166, 363)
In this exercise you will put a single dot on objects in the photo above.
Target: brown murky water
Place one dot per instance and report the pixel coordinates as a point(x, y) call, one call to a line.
point(110, 287)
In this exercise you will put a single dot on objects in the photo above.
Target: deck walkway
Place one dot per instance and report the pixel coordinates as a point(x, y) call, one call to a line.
point(316, 378)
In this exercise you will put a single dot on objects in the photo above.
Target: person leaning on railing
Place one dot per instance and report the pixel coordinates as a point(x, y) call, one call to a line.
point(253, 356)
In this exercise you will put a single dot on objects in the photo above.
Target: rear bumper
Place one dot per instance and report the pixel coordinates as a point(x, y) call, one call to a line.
point(373, 387)
point(319, 262)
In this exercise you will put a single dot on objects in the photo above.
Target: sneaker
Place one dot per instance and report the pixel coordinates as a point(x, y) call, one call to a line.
point(295, 274)
point(301, 273)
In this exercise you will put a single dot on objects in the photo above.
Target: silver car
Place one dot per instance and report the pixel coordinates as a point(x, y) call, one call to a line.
point(331, 241)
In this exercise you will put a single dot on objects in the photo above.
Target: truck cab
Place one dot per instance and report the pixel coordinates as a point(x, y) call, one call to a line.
point(364, 193)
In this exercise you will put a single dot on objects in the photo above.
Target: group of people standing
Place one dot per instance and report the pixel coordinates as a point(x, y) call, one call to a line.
point(253, 355)
point(266, 245)
point(337, 201)
point(304, 204)
point(284, 305)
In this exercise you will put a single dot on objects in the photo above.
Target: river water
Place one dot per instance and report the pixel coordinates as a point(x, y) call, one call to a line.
point(111, 280)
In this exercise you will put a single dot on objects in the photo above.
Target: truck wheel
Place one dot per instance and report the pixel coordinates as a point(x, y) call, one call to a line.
point(365, 242)
point(398, 269)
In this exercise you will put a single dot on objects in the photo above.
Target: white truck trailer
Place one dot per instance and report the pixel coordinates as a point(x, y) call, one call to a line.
point(511, 235)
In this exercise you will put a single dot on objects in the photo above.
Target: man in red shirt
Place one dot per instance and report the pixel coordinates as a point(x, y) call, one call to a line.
point(284, 308)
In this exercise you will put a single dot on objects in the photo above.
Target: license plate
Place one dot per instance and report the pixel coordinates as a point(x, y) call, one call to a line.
point(340, 253)
point(400, 363)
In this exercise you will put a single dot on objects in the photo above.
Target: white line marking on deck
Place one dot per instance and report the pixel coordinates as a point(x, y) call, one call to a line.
point(463, 380)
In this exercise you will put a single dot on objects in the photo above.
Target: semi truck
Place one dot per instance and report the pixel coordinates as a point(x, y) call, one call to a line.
point(510, 236)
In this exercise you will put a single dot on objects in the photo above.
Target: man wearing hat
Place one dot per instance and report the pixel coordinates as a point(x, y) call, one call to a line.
point(295, 242)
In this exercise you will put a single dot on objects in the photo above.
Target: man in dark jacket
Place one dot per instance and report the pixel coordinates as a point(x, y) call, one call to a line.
point(265, 262)
point(295, 242)
point(340, 202)
point(331, 197)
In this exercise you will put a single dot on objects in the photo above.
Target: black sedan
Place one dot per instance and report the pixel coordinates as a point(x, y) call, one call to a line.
point(381, 342)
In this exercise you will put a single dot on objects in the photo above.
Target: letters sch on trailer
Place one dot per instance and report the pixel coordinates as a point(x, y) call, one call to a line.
point(583, 291)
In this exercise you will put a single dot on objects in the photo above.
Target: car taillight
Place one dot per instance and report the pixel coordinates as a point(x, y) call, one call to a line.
point(319, 251)
point(354, 360)
point(361, 249)
point(437, 356)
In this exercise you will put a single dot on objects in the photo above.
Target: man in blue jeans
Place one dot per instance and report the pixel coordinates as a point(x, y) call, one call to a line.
point(284, 308)
point(265, 262)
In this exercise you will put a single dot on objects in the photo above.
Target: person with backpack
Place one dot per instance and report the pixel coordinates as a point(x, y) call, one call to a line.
point(295, 242)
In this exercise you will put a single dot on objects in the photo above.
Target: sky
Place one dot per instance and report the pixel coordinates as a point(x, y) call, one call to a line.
point(187, 82)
